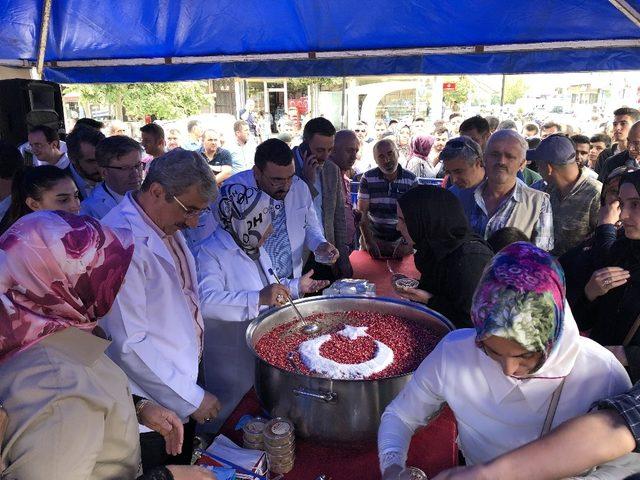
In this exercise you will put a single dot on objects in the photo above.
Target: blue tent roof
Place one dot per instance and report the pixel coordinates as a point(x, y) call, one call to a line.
point(165, 40)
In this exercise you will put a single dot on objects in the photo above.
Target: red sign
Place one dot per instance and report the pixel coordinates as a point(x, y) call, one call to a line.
point(449, 86)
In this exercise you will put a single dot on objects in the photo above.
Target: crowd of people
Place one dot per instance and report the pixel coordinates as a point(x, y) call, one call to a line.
point(130, 272)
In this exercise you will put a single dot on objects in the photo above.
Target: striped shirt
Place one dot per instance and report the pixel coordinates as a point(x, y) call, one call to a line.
point(382, 195)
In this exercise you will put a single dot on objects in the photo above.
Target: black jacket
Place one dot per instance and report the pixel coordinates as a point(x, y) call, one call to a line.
point(611, 316)
point(602, 157)
point(454, 279)
point(618, 160)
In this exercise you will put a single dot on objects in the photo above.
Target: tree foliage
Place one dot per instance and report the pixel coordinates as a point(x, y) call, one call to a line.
point(514, 89)
point(164, 100)
point(464, 89)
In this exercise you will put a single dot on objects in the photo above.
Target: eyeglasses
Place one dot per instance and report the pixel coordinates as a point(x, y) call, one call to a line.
point(191, 212)
point(635, 145)
point(137, 167)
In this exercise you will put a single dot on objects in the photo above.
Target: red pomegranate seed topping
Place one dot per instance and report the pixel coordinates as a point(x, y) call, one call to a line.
point(410, 342)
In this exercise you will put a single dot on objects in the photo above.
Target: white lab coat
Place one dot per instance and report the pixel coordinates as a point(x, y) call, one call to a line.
point(100, 202)
point(150, 323)
point(230, 283)
point(303, 226)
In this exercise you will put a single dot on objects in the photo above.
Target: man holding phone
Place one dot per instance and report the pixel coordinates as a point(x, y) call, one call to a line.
point(324, 181)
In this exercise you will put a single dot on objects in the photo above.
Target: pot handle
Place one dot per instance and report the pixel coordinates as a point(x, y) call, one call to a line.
point(328, 397)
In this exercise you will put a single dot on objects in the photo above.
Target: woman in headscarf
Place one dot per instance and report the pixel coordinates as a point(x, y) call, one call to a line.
point(449, 255)
point(236, 284)
point(523, 370)
point(418, 162)
point(70, 412)
point(46, 187)
point(580, 262)
point(612, 294)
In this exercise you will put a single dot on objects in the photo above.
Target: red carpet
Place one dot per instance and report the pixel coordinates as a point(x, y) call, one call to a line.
point(377, 271)
point(433, 449)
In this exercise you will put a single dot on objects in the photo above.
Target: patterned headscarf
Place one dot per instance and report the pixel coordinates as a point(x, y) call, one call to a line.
point(245, 212)
point(420, 146)
point(57, 270)
point(521, 298)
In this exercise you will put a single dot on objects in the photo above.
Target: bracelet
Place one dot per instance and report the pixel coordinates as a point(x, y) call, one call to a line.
point(141, 404)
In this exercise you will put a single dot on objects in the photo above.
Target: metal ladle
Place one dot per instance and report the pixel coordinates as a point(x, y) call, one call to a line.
point(307, 327)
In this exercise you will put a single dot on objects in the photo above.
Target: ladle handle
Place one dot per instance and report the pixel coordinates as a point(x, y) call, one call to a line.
point(327, 397)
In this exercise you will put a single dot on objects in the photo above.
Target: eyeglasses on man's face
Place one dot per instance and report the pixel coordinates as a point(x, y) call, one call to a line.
point(191, 212)
point(138, 167)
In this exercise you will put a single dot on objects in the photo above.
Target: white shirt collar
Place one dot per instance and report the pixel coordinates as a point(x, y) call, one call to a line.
point(62, 163)
point(111, 192)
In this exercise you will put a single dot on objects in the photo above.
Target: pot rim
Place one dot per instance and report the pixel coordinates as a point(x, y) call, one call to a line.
point(256, 322)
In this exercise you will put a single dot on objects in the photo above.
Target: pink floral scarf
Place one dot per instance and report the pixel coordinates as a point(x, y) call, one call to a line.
point(57, 270)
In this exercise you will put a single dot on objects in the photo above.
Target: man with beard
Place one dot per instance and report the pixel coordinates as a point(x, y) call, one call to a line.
point(502, 200)
point(155, 323)
point(153, 140)
point(243, 148)
point(120, 164)
point(618, 155)
point(323, 180)
point(81, 149)
point(377, 198)
point(295, 223)
point(173, 139)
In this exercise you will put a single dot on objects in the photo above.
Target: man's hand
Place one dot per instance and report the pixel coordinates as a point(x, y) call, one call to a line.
point(414, 294)
point(166, 423)
point(309, 285)
point(609, 213)
point(208, 409)
point(464, 473)
point(191, 472)
point(274, 295)
point(310, 166)
point(326, 253)
point(396, 472)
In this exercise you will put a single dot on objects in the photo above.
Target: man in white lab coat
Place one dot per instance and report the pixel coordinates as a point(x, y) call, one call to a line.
point(295, 223)
point(120, 163)
point(155, 322)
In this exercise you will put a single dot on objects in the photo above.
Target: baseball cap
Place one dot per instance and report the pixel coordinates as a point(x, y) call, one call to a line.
point(557, 149)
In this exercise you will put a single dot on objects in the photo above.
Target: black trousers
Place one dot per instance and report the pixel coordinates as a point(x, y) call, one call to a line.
point(154, 453)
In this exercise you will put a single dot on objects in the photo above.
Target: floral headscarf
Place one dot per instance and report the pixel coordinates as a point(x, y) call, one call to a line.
point(57, 270)
point(521, 298)
point(245, 212)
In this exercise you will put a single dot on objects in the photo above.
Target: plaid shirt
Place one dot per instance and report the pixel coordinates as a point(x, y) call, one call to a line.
point(485, 226)
point(628, 406)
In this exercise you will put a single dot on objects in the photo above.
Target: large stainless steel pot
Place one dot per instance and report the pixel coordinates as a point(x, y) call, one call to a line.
point(332, 410)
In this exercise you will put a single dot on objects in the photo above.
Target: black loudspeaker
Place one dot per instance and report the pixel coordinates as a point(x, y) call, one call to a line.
point(27, 103)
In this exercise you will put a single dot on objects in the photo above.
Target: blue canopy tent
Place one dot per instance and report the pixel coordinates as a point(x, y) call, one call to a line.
point(169, 40)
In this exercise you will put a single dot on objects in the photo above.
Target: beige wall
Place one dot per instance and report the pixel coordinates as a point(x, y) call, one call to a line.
point(7, 73)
